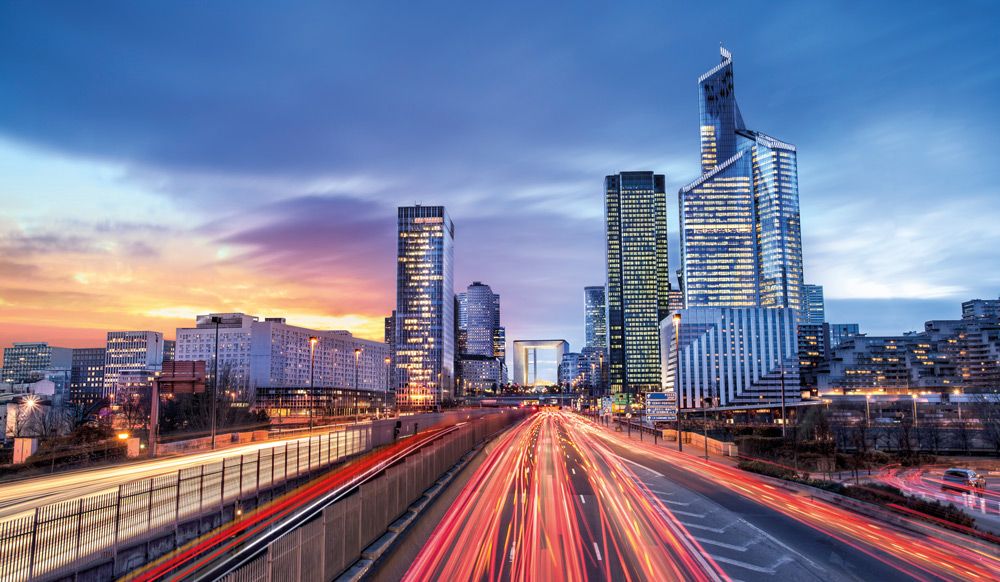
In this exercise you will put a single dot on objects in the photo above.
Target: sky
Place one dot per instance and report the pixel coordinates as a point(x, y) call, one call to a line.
point(163, 160)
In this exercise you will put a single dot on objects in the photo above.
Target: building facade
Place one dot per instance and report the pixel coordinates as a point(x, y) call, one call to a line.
point(981, 309)
point(837, 333)
point(425, 307)
point(130, 351)
point(638, 284)
point(595, 317)
point(481, 364)
point(735, 356)
point(24, 358)
point(87, 376)
point(813, 305)
point(741, 243)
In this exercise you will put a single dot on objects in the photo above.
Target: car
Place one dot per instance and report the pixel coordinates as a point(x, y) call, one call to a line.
point(963, 481)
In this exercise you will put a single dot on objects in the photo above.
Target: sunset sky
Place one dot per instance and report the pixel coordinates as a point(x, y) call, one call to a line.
point(158, 161)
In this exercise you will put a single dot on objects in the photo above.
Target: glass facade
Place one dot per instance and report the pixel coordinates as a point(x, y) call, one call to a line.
point(740, 230)
point(813, 305)
point(24, 358)
point(87, 379)
point(595, 317)
point(638, 279)
point(425, 307)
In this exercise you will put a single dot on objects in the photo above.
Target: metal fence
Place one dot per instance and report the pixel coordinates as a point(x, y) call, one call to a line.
point(101, 537)
point(325, 547)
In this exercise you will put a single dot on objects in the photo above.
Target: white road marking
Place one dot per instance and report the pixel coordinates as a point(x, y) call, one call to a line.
point(681, 503)
point(660, 492)
point(742, 564)
point(631, 462)
point(703, 527)
point(572, 469)
point(582, 500)
point(687, 513)
point(742, 548)
point(512, 552)
point(775, 540)
point(598, 550)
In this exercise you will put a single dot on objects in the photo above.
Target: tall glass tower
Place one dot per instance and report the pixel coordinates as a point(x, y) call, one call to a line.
point(425, 307)
point(638, 286)
point(595, 317)
point(813, 307)
point(741, 241)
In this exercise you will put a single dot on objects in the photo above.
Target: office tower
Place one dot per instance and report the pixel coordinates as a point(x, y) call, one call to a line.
point(169, 350)
point(131, 351)
point(981, 309)
point(87, 376)
point(741, 244)
point(813, 309)
point(425, 307)
point(390, 337)
point(837, 333)
point(638, 285)
point(595, 317)
point(737, 356)
point(461, 313)
point(24, 358)
point(481, 364)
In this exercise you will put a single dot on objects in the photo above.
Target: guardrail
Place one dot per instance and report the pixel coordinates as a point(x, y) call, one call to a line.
point(103, 536)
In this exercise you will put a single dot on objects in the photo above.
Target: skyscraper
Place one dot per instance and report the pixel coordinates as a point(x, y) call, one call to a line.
point(425, 307)
point(131, 351)
point(482, 364)
point(638, 286)
point(741, 243)
point(813, 309)
point(595, 317)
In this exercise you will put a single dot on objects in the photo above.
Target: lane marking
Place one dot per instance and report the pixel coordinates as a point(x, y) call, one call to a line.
point(704, 527)
point(598, 550)
point(777, 541)
point(681, 503)
point(631, 462)
point(659, 492)
point(742, 564)
point(687, 513)
point(572, 469)
point(582, 499)
point(742, 548)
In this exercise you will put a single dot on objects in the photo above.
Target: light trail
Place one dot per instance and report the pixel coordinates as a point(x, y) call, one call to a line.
point(529, 514)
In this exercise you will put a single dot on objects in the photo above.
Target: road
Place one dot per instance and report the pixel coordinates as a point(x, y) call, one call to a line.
point(20, 498)
point(926, 482)
point(565, 499)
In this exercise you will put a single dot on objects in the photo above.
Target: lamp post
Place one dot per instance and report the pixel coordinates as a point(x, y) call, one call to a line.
point(386, 402)
point(914, 410)
point(215, 375)
point(781, 362)
point(868, 409)
point(357, 357)
point(704, 422)
point(677, 377)
point(312, 354)
point(600, 386)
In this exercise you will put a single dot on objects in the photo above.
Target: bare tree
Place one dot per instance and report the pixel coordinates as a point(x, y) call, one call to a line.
point(961, 435)
point(987, 409)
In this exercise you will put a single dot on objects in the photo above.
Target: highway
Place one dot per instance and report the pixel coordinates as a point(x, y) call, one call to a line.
point(563, 498)
point(21, 498)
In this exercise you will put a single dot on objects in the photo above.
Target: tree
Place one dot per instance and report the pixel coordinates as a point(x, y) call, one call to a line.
point(961, 436)
point(987, 409)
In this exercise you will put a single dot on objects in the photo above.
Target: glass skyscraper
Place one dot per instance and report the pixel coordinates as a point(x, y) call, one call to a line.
point(425, 307)
point(813, 307)
point(741, 243)
point(638, 286)
point(595, 317)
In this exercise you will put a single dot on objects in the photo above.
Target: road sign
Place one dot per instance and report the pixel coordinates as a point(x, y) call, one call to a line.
point(605, 406)
point(661, 406)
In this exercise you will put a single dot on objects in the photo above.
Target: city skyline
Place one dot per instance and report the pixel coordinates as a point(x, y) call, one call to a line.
point(131, 206)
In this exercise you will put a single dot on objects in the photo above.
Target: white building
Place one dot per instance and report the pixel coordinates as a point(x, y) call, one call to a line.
point(733, 355)
point(131, 350)
point(272, 353)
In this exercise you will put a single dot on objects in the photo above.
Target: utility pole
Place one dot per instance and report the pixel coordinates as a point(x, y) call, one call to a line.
point(215, 377)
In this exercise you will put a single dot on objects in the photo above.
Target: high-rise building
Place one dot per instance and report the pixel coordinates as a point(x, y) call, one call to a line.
point(390, 337)
point(481, 363)
point(130, 351)
point(480, 320)
point(24, 358)
point(169, 350)
point(425, 307)
point(813, 309)
point(638, 284)
point(87, 375)
point(595, 317)
point(734, 356)
point(741, 243)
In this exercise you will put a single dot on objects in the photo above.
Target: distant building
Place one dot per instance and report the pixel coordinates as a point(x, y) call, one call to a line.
point(638, 278)
point(837, 333)
point(813, 306)
point(741, 243)
point(482, 341)
point(814, 349)
point(24, 358)
point(595, 317)
point(169, 350)
point(676, 301)
point(737, 356)
point(390, 338)
point(425, 307)
point(87, 376)
point(981, 309)
point(130, 351)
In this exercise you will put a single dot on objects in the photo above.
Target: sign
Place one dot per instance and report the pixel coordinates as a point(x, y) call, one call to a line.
point(661, 406)
point(605, 406)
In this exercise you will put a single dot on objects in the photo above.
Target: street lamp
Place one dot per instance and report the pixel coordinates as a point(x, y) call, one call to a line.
point(312, 355)
point(215, 375)
point(868, 408)
point(385, 404)
point(677, 377)
point(914, 410)
point(357, 357)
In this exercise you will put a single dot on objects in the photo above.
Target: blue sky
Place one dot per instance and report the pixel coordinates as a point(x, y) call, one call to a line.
point(163, 160)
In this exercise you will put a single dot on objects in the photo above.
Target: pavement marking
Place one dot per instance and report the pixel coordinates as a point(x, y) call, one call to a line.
point(572, 469)
point(659, 492)
point(706, 528)
point(598, 550)
point(512, 552)
point(688, 513)
point(777, 541)
point(742, 564)
point(582, 499)
point(742, 548)
point(631, 462)
point(681, 503)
